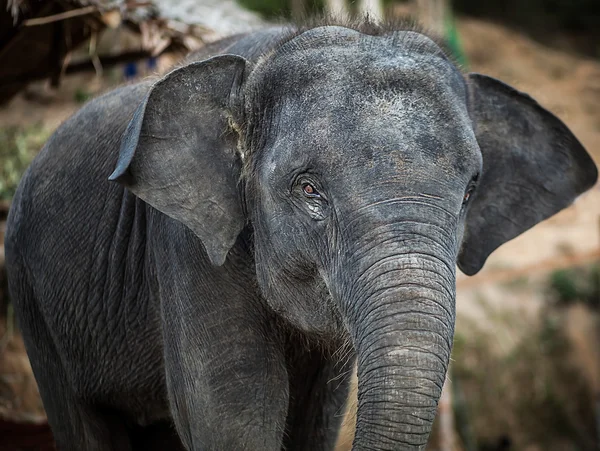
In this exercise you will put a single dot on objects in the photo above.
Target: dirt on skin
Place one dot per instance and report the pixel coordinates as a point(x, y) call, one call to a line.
point(569, 86)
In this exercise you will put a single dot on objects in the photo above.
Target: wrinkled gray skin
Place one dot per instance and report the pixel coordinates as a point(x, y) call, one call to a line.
point(215, 294)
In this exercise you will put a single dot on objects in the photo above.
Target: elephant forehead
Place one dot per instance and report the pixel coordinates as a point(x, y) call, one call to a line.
point(374, 125)
point(328, 61)
point(326, 38)
point(309, 91)
point(380, 102)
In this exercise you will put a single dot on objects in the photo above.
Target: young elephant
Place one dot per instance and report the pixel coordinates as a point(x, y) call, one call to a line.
point(286, 200)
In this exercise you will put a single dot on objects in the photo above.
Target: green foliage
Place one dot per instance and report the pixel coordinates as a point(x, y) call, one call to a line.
point(581, 284)
point(454, 42)
point(566, 13)
point(563, 285)
point(82, 96)
point(268, 8)
point(18, 146)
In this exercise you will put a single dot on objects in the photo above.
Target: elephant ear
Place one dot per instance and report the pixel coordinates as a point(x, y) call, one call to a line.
point(533, 167)
point(179, 154)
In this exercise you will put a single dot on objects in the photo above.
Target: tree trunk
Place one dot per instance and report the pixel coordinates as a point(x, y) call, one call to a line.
point(298, 9)
point(372, 8)
point(336, 8)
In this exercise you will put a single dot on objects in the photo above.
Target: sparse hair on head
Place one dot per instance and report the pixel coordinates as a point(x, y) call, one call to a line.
point(366, 25)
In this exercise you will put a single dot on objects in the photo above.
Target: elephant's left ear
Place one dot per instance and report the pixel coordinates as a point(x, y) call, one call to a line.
point(533, 167)
point(179, 153)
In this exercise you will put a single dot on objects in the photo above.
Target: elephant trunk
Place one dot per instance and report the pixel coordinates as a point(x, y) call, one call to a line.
point(400, 313)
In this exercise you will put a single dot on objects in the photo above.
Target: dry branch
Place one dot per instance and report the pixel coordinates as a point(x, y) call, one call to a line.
point(60, 16)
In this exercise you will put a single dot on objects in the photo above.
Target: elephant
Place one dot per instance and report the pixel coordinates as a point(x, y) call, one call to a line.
point(199, 260)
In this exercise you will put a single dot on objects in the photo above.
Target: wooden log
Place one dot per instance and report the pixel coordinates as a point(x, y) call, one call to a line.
point(60, 16)
point(432, 14)
point(83, 66)
point(372, 8)
point(298, 9)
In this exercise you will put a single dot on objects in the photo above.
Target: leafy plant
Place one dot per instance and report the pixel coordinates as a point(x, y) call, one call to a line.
point(82, 96)
point(18, 146)
point(580, 284)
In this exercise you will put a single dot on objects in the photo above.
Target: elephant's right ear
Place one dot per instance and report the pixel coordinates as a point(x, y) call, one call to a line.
point(179, 153)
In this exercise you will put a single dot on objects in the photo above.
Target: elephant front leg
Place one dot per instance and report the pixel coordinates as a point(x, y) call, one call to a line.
point(319, 387)
point(227, 383)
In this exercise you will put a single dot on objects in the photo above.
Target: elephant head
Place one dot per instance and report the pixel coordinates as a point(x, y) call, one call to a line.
point(367, 167)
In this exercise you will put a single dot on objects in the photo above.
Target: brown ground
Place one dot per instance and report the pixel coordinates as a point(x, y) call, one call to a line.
point(567, 85)
point(570, 88)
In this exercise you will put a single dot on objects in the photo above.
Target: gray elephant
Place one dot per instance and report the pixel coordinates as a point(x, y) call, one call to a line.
point(289, 201)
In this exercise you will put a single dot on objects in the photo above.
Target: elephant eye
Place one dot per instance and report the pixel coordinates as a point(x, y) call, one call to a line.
point(468, 195)
point(310, 191)
point(470, 189)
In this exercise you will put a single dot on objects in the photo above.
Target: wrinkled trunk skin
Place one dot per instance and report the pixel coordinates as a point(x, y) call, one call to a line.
point(400, 313)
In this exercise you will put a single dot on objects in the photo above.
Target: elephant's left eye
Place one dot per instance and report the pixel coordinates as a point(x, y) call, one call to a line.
point(310, 191)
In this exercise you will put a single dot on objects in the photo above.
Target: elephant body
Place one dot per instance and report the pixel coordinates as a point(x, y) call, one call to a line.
point(178, 308)
point(85, 269)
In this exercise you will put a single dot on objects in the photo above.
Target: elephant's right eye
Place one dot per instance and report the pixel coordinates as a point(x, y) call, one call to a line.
point(310, 191)
point(468, 194)
point(470, 189)
point(310, 200)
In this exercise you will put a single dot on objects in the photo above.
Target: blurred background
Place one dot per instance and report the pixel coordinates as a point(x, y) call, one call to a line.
point(525, 372)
